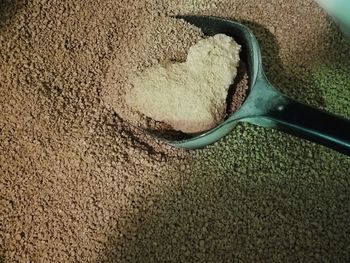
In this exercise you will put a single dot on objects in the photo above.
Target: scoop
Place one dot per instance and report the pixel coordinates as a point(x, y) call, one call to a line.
point(264, 105)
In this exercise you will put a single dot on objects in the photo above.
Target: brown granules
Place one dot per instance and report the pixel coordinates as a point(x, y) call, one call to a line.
point(78, 184)
point(239, 90)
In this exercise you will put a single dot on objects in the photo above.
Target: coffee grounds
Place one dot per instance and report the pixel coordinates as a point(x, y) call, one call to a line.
point(79, 184)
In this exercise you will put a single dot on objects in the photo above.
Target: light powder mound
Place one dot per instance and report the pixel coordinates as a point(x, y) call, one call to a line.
point(189, 96)
point(157, 39)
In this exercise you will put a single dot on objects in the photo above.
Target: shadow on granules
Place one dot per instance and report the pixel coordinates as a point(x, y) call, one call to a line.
point(284, 78)
point(282, 200)
point(332, 74)
point(280, 208)
point(8, 9)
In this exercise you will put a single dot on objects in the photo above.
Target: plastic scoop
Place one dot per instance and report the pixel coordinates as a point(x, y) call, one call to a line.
point(265, 106)
point(339, 11)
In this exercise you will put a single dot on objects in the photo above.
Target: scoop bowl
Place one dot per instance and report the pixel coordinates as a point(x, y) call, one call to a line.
point(265, 106)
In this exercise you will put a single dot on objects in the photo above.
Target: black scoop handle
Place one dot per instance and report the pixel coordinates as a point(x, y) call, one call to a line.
point(312, 124)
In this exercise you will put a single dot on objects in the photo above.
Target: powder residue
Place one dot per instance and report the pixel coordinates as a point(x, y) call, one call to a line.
point(189, 96)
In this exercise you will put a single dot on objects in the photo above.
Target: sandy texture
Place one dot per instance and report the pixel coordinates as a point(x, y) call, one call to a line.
point(79, 185)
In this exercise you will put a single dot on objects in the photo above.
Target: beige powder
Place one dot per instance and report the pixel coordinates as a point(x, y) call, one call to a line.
point(189, 96)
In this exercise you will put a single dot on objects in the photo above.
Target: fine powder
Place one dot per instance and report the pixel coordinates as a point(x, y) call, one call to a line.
point(190, 96)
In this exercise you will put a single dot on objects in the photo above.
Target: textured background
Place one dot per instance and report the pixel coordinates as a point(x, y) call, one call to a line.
point(79, 185)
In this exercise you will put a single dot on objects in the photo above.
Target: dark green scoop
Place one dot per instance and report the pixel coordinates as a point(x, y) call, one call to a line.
point(265, 106)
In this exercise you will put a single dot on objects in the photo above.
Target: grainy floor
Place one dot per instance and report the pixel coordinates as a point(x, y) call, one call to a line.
point(80, 185)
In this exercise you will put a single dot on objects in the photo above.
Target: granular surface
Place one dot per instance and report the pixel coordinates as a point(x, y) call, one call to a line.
point(78, 184)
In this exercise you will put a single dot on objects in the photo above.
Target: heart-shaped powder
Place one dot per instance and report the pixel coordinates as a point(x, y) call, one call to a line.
point(189, 96)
